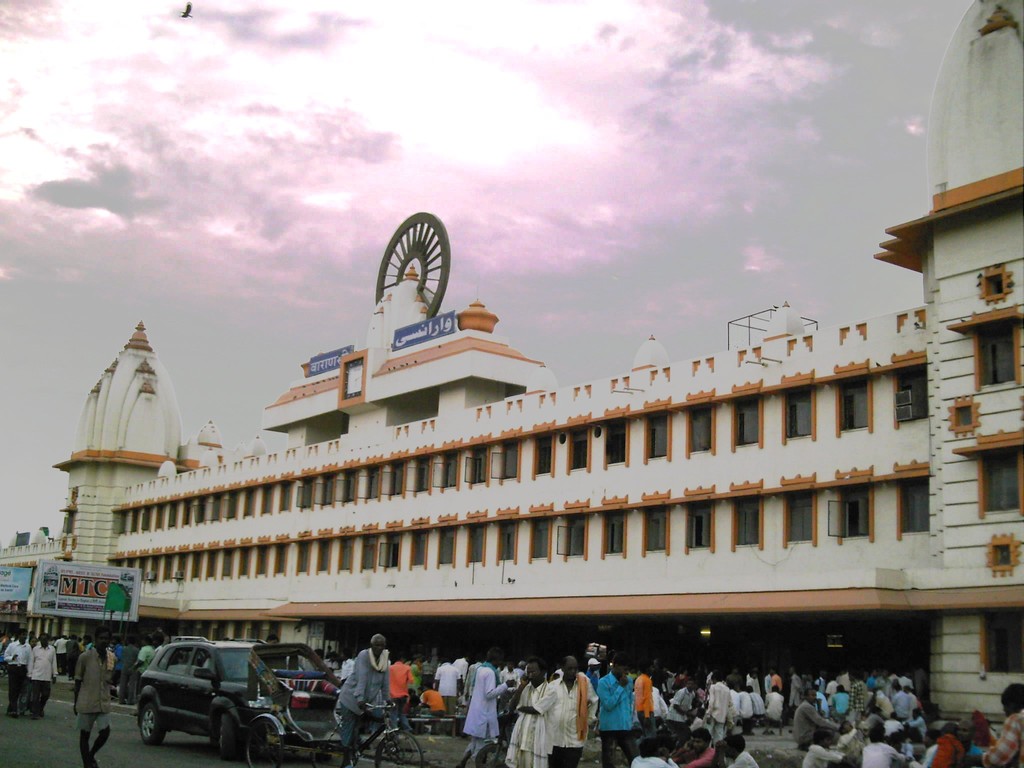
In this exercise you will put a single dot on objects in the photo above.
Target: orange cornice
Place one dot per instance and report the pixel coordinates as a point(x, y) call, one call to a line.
point(449, 349)
point(912, 239)
point(802, 601)
point(329, 384)
point(114, 457)
point(984, 318)
point(976, 190)
point(997, 442)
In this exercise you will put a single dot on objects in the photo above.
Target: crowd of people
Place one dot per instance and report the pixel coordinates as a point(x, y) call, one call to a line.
point(655, 717)
point(34, 664)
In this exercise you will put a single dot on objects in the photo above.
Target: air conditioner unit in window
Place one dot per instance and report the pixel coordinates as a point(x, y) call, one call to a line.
point(150, 576)
point(904, 401)
point(179, 575)
point(904, 413)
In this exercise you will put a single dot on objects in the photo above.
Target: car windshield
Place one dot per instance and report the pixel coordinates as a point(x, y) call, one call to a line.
point(236, 664)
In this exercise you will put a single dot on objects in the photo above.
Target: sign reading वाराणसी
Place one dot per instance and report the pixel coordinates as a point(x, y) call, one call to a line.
point(425, 330)
point(327, 361)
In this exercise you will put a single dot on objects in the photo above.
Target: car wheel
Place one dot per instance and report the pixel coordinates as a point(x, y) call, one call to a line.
point(150, 729)
point(228, 741)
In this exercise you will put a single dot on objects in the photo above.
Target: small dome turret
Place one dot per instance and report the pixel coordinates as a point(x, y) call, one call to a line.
point(542, 379)
point(167, 469)
point(651, 354)
point(209, 436)
point(257, 447)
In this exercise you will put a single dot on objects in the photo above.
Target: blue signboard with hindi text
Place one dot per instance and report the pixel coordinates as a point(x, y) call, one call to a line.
point(327, 361)
point(426, 330)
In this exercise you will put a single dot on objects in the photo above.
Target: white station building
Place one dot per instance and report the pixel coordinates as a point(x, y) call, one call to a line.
point(844, 496)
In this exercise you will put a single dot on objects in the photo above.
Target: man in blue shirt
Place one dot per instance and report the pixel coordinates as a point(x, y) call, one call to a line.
point(615, 693)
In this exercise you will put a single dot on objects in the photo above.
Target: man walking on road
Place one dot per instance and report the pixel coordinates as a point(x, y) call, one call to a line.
point(93, 673)
point(18, 656)
point(42, 673)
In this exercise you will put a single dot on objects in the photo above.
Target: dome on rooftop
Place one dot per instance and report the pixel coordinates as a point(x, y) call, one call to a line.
point(209, 436)
point(651, 354)
point(542, 379)
point(977, 114)
point(133, 406)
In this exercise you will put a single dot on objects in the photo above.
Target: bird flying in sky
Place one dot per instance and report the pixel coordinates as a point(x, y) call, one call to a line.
point(188, 11)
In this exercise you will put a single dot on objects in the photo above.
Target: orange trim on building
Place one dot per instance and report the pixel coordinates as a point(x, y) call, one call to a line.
point(455, 347)
point(721, 603)
point(993, 185)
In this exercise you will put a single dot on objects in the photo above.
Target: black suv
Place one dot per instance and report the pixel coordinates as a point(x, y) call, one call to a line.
point(199, 687)
point(213, 689)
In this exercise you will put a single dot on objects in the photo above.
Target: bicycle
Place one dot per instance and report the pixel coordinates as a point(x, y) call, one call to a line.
point(272, 735)
point(492, 755)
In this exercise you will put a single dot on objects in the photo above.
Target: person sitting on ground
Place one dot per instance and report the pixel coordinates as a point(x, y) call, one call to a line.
point(773, 705)
point(949, 752)
point(433, 701)
point(654, 753)
point(878, 754)
point(972, 752)
point(807, 718)
point(1011, 740)
point(839, 704)
point(697, 752)
point(931, 738)
point(731, 752)
point(820, 753)
point(892, 726)
point(916, 726)
point(850, 743)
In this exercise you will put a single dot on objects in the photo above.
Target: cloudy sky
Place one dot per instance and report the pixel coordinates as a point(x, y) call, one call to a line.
point(605, 170)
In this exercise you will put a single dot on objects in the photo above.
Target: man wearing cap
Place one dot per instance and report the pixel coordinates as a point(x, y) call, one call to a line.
point(593, 672)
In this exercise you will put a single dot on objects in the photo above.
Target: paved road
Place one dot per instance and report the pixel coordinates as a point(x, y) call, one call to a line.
point(53, 743)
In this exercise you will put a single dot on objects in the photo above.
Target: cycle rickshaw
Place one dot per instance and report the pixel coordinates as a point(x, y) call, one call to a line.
point(298, 719)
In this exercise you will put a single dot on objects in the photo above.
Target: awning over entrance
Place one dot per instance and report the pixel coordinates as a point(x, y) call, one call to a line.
point(726, 603)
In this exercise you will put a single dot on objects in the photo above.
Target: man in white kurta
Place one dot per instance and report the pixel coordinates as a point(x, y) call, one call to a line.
point(482, 717)
point(530, 743)
point(573, 709)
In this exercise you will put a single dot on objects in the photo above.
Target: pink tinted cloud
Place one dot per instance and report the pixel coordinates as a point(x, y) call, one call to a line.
point(756, 258)
point(258, 146)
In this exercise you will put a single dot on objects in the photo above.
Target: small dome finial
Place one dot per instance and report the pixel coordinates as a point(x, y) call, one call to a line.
point(411, 273)
point(476, 317)
point(139, 340)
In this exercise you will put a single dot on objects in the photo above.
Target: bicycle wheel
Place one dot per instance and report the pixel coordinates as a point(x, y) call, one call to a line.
point(491, 756)
point(398, 748)
point(264, 745)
